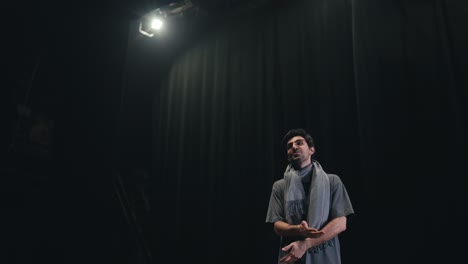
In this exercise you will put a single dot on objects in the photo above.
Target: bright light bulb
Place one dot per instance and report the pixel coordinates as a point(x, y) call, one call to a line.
point(156, 24)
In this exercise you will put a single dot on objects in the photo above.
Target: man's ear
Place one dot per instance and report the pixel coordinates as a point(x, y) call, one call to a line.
point(312, 150)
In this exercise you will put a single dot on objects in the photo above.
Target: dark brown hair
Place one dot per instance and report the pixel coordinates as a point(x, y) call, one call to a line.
point(298, 132)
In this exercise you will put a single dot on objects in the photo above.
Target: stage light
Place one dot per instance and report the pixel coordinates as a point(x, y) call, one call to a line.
point(152, 23)
point(156, 24)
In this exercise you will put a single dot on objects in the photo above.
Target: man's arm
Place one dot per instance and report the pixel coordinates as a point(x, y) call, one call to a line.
point(332, 229)
point(296, 249)
point(284, 229)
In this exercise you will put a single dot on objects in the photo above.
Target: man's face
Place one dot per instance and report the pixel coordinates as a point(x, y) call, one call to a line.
point(299, 152)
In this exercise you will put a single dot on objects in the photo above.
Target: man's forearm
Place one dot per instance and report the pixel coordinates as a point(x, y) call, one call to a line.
point(332, 229)
point(285, 229)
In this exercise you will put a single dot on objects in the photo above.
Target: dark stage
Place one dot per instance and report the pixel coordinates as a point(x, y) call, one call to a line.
point(124, 148)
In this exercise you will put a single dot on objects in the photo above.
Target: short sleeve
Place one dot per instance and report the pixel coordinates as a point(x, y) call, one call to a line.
point(275, 210)
point(340, 201)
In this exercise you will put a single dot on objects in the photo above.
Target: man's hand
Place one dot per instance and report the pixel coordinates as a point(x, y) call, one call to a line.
point(306, 231)
point(295, 251)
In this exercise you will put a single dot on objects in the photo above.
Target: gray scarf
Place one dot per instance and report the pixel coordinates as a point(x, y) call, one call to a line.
point(319, 198)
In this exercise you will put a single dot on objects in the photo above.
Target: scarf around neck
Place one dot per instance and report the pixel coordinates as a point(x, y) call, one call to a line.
point(319, 198)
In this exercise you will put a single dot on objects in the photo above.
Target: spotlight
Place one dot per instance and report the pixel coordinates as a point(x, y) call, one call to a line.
point(153, 22)
point(156, 24)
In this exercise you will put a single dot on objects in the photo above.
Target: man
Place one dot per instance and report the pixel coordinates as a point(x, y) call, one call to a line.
point(308, 207)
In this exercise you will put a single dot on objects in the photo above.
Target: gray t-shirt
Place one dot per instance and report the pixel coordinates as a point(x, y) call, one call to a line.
point(340, 205)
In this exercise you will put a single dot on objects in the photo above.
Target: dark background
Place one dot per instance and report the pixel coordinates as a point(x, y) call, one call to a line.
point(125, 149)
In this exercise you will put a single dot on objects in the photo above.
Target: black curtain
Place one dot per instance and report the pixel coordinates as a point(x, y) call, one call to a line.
point(64, 64)
point(381, 85)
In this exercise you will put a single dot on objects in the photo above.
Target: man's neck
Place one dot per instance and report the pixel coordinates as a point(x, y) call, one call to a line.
point(302, 165)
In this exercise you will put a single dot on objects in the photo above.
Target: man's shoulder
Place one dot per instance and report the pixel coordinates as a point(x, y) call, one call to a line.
point(280, 181)
point(279, 184)
point(333, 176)
point(334, 179)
